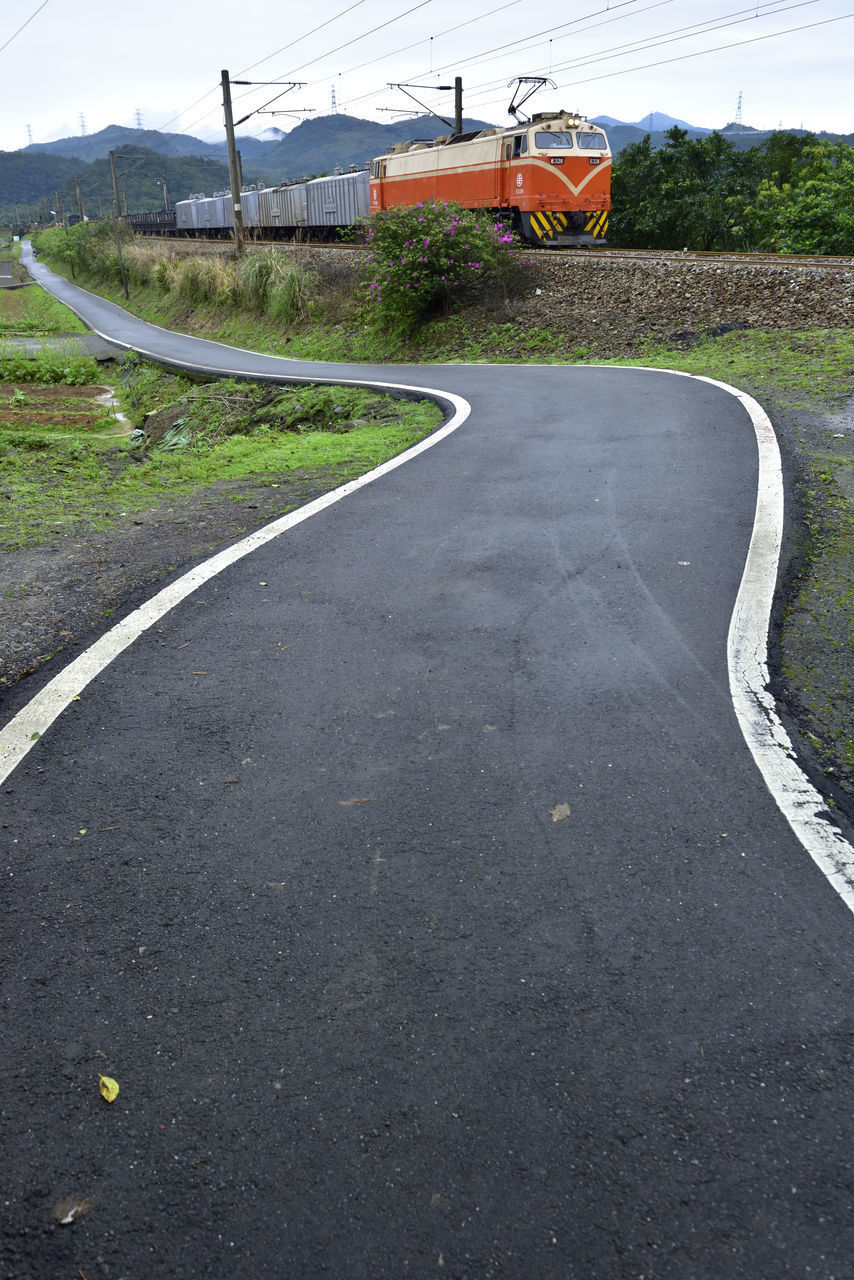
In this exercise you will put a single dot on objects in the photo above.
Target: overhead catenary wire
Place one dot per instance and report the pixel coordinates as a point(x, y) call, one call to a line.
point(663, 38)
point(484, 100)
point(15, 34)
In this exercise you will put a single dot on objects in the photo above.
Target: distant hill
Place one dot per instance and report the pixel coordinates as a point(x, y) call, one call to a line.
point(655, 122)
point(325, 143)
point(316, 146)
point(742, 136)
point(27, 179)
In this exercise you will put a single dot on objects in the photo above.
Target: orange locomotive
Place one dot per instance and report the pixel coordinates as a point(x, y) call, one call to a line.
point(550, 178)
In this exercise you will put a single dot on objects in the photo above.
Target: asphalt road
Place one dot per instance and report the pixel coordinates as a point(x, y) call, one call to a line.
point(413, 879)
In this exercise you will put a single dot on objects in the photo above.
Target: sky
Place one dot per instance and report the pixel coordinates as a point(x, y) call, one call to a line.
point(68, 69)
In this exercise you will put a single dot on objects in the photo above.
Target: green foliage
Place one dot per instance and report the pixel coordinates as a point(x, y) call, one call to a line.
point(32, 311)
point(812, 212)
point(685, 195)
point(69, 475)
point(87, 249)
point(792, 194)
point(27, 178)
point(427, 259)
point(48, 366)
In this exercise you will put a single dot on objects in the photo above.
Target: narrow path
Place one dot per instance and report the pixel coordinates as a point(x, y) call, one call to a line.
point(413, 878)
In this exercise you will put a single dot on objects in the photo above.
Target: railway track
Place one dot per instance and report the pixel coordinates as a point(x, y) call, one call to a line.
point(674, 256)
point(712, 257)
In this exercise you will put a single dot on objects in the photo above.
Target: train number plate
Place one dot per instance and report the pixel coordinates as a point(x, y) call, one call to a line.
point(594, 159)
point(556, 160)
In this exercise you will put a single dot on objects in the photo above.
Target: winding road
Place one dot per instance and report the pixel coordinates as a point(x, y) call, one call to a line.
point(432, 874)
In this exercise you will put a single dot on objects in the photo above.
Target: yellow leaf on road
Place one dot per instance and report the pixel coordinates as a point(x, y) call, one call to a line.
point(109, 1088)
point(559, 811)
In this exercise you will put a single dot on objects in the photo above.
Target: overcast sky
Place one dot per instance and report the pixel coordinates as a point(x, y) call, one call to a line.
point(73, 68)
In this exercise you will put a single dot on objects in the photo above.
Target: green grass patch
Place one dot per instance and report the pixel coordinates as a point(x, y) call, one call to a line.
point(201, 435)
point(31, 312)
point(803, 368)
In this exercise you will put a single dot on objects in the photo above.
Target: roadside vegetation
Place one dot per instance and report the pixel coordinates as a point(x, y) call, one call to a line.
point(85, 446)
point(791, 194)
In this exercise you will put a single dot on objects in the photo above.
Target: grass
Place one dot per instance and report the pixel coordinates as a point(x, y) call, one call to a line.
point(70, 474)
point(802, 369)
point(31, 312)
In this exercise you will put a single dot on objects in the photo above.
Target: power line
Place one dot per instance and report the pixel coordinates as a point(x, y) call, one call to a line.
point(422, 4)
point(681, 33)
point(24, 24)
point(252, 66)
point(699, 53)
point(502, 50)
point(667, 37)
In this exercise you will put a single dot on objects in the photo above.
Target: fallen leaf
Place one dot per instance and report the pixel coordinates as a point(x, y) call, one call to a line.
point(559, 811)
point(69, 1209)
point(231, 780)
point(109, 1088)
point(358, 800)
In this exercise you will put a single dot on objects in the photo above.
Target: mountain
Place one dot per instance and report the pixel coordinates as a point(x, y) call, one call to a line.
point(28, 180)
point(316, 146)
point(658, 122)
point(741, 136)
point(188, 164)
point(322, 144)
point(97, 146)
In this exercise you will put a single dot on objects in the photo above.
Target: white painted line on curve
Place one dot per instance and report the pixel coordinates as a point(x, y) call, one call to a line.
point(747, 645)
point(26, 728)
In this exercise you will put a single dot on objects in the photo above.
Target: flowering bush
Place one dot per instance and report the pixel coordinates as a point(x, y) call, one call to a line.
point(425, 258)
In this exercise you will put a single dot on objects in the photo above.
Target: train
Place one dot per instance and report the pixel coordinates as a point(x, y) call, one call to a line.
point(548, 179)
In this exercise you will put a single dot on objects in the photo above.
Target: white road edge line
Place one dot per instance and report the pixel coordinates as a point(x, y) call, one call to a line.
point(24, 730)
point(747, 643)
point(801, 804)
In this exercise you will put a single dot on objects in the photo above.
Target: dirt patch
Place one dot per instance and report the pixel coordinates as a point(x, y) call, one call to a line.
point(28, 404)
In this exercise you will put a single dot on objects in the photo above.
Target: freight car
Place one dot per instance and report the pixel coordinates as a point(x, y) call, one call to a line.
point(550, 179)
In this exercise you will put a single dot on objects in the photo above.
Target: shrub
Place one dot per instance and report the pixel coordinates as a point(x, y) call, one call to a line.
point(289, 291)
point(203, 279)
point(425, 259)
point(254, 275)
point(50, 365)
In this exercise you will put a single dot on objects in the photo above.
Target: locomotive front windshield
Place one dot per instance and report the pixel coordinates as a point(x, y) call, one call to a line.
point(591, 141)
point(546, 140)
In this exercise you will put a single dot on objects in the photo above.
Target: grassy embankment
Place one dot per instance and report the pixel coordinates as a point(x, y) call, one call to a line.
point(805, 377)
point(68, 460)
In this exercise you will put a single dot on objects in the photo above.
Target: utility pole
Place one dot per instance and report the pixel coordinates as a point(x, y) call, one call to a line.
point(165, 196)
point(458, 104)
point(233, 166)
point(79, 198)
point(116, 215)
point(59, 212)
point(116, 196)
